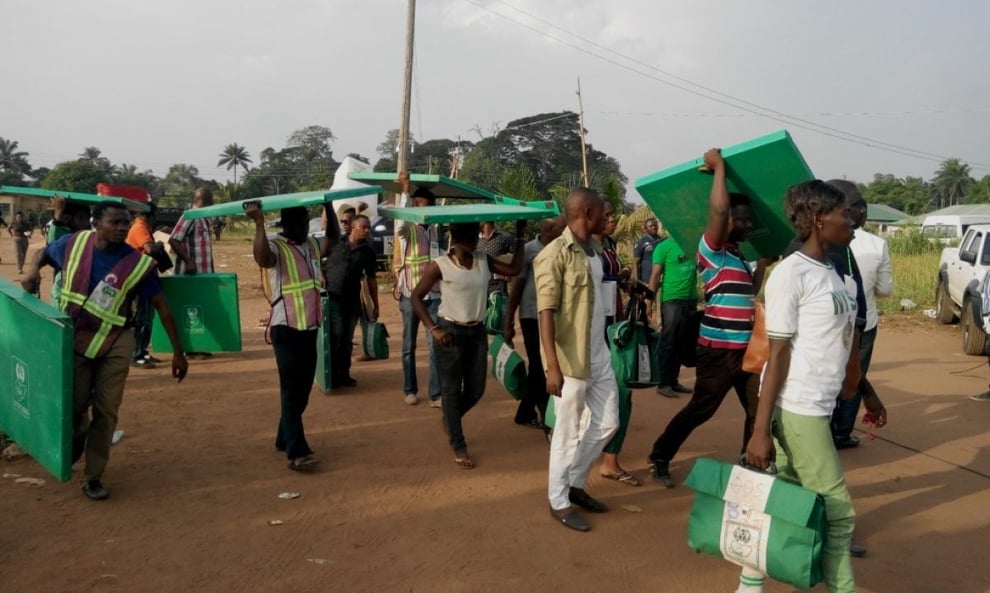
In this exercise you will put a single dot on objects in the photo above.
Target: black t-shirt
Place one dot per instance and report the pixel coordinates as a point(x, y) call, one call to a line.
point(345, 266)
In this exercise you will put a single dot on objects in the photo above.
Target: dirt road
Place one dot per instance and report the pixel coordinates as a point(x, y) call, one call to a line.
point(195, 483)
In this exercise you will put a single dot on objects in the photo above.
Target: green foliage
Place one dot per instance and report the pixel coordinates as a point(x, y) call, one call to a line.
point(129, 175)
point(909, 195)
point(518, 183)
point(951, 183)
point(915, 276)
point(81, 176)
point(13, 162)
point(979, 192)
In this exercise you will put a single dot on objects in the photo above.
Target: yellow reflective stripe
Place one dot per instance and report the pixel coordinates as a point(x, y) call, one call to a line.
point(110, 318)
point(294, 287)
point(69, 269)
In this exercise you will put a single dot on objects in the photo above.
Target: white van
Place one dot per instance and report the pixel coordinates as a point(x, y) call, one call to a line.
point(946, 228)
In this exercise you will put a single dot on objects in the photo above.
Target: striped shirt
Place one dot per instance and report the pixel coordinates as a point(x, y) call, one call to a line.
point(195, 235)
point(728, 281)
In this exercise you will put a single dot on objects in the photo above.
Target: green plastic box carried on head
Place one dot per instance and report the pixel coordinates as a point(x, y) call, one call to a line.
point(440, 186)
point(73, 196)
point(504, 209)
point(761, 169)
point(279, 201)
point(324, 370)
point(206, 313)
point(36, 378)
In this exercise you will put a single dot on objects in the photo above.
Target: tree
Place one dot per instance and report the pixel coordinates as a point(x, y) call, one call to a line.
point(79, 176)
point(951, 182)
point(13, 162)
point(979, 192)
point(128, 174)
point(234, 156)
point(178, 185)
point(92, 154)
point(910, 195)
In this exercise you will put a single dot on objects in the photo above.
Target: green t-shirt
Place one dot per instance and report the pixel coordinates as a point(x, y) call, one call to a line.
point(680, 272)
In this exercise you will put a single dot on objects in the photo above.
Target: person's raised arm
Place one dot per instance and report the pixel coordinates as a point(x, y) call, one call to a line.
point(180, 366)
point(263, 254)
point(719, 207)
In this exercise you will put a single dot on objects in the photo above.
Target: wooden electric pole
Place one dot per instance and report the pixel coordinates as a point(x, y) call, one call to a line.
point(584, 151)
point(403, 149)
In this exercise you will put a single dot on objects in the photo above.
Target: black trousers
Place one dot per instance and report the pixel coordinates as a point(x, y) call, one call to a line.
point(463, 367)
point(295, 356)
point(343, 321)
point(533, 405)
point(718, 371)
point(670, 312)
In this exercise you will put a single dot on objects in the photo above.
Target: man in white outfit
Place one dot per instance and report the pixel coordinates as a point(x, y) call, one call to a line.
point(579, 373)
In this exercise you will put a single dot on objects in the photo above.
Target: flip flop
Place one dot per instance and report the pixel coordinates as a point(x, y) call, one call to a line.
point(303, 463)
point(623, 477)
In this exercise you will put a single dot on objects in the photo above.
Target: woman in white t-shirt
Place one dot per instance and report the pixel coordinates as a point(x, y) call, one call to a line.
point(810, 320)
point(460, 342)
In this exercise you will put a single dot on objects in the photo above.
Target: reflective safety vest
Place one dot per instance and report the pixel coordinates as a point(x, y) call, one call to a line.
point(417, 256)
point(98, 315)
point(300, 282)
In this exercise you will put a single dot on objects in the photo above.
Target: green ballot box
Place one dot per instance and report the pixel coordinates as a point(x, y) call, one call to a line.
point(36, 378)
point(206, 313)
point(761, 169)
point(323, 369)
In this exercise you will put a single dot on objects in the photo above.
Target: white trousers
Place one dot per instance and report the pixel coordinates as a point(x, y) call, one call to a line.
point(576, 445)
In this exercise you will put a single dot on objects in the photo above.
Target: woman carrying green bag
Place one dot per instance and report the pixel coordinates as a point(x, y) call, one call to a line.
point(810, 316)
point(460, 341)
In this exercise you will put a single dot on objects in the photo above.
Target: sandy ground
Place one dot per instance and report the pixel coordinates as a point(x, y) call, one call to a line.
point(195, 484)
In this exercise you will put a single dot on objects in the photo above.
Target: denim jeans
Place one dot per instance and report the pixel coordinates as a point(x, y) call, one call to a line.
point(846, 410)
point(533, 405)
point(718, 371)
point(670, 312)
point(144, 314)
point(463, 368)
point(295, 357)
point(410, 327)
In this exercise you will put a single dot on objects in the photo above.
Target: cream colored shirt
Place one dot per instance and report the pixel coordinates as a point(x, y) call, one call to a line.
point(465, 291)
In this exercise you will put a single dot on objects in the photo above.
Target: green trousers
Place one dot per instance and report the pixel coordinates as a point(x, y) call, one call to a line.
point(806, 455)
point(614, 446)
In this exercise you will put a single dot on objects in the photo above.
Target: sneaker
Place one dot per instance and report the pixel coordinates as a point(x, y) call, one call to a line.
point(981, 397)
point(667, 391)
point(95, 490)
point(411, 399)
point(151, 358)
point(678, 388)
point(435, 403)
point(848, 442)
point(661, 472)
point(142, 363)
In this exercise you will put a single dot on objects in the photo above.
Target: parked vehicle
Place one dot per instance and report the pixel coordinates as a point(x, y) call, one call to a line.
point(957, 294)
point(382, 240)
point(946, 228)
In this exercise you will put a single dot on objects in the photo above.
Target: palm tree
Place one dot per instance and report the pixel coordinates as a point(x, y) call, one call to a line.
point(11, 159)
point(91, 154)
point(234, 156)
point(951, 182)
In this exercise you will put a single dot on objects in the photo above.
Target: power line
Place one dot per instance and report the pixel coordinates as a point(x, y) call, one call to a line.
point(719, 97)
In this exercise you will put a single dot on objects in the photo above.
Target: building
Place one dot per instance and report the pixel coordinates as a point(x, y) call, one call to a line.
point(883, 217)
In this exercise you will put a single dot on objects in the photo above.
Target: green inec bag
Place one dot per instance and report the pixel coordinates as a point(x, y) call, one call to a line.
point(495, 313)
point(508, 367)
point(374, 338)
point(634, 348)
point(758, 520)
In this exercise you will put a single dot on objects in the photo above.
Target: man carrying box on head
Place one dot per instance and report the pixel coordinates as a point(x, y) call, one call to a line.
point(101, 277)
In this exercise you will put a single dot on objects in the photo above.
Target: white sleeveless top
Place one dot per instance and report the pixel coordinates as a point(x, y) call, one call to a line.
point(465, 292)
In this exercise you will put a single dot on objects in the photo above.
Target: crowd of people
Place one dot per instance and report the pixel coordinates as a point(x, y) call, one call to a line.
point(566, 286)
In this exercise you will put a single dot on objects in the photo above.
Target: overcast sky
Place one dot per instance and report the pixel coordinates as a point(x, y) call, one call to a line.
point(160, 82)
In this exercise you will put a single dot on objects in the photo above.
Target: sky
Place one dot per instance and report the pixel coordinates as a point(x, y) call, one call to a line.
point(879, 87)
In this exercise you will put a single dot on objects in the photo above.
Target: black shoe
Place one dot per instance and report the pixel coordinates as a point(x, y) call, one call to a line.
point(661, 472)
point(586, 501)
point(534, 423)
point(95, 490)
point(570, 518)
point(856, 550)
point(847, 442)
point(151, 358)
point(142, 363)
point(680, 388)
point(348, 382)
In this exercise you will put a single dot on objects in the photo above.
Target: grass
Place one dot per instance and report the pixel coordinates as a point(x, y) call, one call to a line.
point(914, 278)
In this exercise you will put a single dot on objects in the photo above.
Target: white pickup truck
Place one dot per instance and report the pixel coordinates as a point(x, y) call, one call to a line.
point(957, 296)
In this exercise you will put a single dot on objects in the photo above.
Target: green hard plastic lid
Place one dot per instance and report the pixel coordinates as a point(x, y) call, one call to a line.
point(761, 169)
point(277, 202)
point(72, 196)
point(33, 303)
point(442, 187)
point(504, 209)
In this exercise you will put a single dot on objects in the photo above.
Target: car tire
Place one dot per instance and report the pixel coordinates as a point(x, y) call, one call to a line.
point(974, 339)
point(943, 305)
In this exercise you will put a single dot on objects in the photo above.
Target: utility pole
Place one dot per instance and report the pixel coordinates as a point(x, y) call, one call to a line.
point(403, 147)
point(584, 150)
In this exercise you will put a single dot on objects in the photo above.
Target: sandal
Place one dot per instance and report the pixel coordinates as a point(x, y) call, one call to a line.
point(462, 460)
point(623, 477)
point(303, 463)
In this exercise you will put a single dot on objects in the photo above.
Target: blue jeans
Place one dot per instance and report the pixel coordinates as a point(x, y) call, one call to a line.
point(410, 327)
point(463, 369)
point(846, 410)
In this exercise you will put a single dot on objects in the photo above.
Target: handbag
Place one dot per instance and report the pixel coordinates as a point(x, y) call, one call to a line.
point(634, 347)
point(495, 313)
point(758, 350)
point(759, 520)
point(374, 339)
point(508, 367)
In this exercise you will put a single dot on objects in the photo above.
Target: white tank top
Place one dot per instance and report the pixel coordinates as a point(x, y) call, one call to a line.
point(465, 292)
